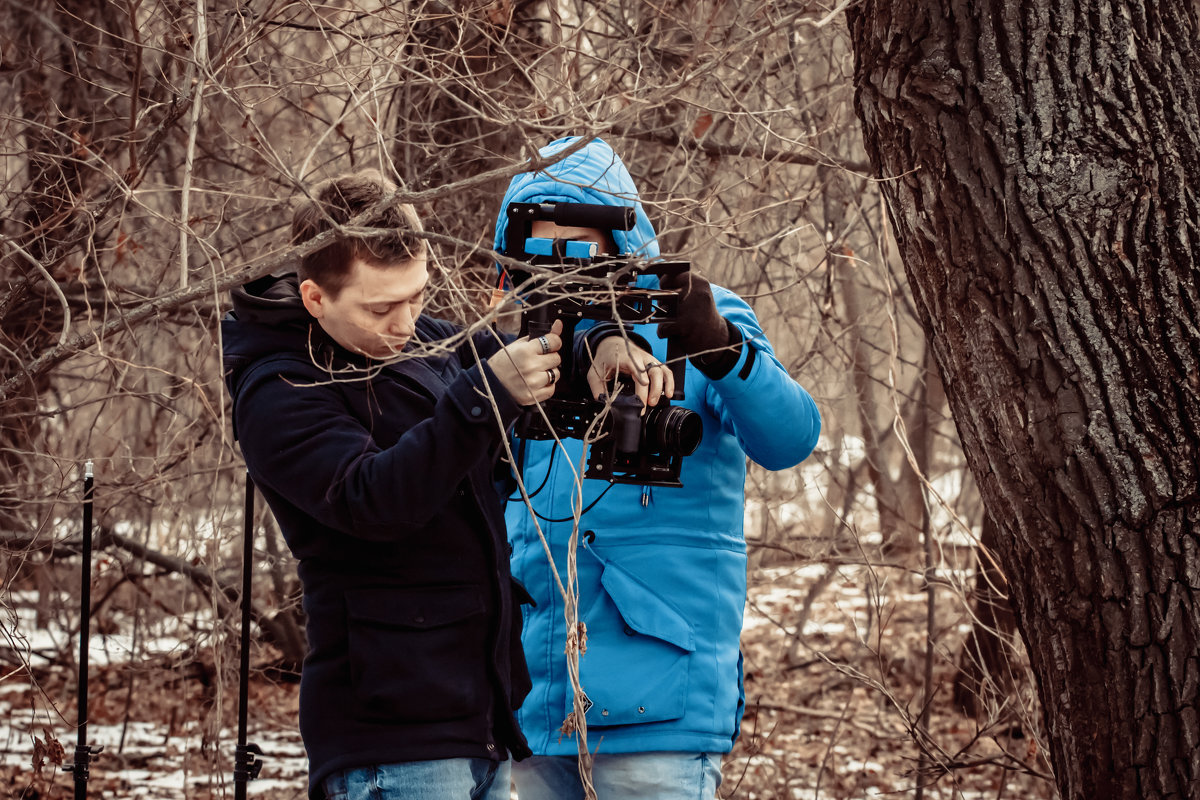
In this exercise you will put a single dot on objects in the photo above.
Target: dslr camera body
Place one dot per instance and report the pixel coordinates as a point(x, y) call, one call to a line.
point(568, 280)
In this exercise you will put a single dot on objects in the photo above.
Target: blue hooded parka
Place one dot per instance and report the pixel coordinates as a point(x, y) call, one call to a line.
point(662, 570)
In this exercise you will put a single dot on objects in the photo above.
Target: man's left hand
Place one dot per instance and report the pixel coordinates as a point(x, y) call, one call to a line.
point(652, 380)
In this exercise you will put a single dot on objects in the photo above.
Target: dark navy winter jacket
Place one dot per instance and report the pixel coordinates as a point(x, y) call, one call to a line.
point(381, 478)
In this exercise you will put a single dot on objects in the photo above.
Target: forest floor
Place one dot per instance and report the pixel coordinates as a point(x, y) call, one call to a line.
point(833, 717)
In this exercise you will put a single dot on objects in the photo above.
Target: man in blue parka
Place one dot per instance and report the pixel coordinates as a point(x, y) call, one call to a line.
point(661, 570)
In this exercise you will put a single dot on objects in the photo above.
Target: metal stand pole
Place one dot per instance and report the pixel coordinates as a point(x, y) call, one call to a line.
point(246, 765)
point(84, 753)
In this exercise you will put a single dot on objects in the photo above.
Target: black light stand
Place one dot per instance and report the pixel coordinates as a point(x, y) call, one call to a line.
point(84, 753)
point(246, 764)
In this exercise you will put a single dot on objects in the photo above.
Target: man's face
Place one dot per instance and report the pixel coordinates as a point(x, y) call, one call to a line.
point(376, 312)
point(545, 229)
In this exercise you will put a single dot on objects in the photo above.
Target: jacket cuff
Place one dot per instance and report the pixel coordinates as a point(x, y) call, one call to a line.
point(736, 382)
point(474, 392)
point(717, 364)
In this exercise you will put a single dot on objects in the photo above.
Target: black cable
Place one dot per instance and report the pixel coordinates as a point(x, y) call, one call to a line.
point(591, 505)
point(549, 470)
point(520, 469)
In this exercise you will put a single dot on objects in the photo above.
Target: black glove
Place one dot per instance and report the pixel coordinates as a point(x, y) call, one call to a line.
point(703, 333)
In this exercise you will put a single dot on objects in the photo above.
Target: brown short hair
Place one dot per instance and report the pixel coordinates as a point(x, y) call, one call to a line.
point(336, 201)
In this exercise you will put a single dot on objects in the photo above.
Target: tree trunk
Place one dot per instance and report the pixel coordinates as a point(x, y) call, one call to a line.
point(897, 499)
point(67, 126)
point(985, 672)
point(1040, 162)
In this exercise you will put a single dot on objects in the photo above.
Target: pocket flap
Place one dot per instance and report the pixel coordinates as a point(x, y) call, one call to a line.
point(644, 611)
point(521, 595)
point(419, 608)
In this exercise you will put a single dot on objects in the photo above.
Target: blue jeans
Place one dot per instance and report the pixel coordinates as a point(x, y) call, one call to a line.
point(440, 779)
point(621, 776)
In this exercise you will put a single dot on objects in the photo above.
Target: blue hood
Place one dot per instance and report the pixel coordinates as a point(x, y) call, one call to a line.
point(594, 174)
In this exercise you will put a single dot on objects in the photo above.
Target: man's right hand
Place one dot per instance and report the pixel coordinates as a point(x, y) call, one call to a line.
point(529, 367)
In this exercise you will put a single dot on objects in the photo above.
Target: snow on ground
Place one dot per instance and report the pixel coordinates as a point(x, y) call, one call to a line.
point(818, 723)
point(826, 714)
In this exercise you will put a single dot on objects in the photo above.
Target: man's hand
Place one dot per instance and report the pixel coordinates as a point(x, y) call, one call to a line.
point(528, 368)
point(652, 380)
point(699, 328)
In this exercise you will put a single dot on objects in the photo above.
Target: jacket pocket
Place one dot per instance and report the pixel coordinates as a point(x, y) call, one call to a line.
point(638, 653)
point(418, 655)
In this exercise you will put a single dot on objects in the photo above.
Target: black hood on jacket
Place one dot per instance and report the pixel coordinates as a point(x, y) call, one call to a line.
point(268, 317)
point(270, 300)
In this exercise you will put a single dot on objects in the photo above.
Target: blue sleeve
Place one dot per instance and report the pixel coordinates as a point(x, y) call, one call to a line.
point(774, 419)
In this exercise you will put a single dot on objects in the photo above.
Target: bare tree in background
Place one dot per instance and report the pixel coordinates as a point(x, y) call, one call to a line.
point(1042, 160)
point(152, 149)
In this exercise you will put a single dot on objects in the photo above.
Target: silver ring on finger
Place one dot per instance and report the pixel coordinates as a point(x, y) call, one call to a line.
point(545, 343)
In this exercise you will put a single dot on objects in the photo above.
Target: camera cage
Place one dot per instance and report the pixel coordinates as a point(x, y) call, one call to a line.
point(569, 281)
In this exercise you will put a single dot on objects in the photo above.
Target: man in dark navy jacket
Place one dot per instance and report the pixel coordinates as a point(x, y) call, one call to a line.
point(372, 432)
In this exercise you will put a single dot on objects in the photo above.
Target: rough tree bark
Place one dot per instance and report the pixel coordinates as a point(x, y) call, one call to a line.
point(1041, 159)
point(985, 674)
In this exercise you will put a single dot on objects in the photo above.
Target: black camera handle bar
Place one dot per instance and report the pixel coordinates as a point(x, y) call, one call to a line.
point(564, 281)
point(247, 766)
point(546, 303)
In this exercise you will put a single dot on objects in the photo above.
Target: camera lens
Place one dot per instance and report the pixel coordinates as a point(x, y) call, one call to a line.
point(674, 431)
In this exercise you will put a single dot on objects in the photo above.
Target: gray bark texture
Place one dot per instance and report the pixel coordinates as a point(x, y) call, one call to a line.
point(1041, 164)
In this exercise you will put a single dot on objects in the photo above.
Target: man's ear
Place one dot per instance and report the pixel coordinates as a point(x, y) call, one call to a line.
point(313, 297)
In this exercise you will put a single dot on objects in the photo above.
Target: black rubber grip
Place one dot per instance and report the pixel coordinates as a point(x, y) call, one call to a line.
point(592, 215)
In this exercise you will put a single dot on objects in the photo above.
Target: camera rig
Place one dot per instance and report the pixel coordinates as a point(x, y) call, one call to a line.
point(569, 281)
